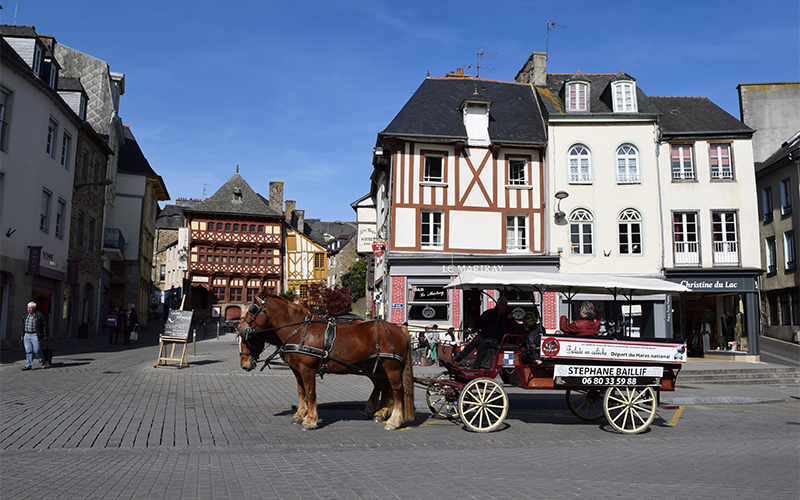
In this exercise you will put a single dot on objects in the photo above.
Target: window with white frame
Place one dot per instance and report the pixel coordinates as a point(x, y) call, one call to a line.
point(581, 222)
point(577, 93)
point(66, 144)
point(82, 108)
point(786, 197)
point(682, 164)
point(684, 235)
point(37, 60)
point(630, 232)
point(61, 210)
point(516, 232)
point(50, 147)
point(580, 165)
point(720, 158)
point(625, 97)
point(44, 217)
point(628, 165)
point(53, 73)
point(431, 229)
point(790, 256)
point(5, 97)
point(517, 172)
point(772, 261)
point(433, 169)
point(724, 233)
point(766, 203)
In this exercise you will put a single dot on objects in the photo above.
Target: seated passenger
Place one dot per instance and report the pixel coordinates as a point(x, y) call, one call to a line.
point(492, 325)
point(584, 327)
point(533, 332)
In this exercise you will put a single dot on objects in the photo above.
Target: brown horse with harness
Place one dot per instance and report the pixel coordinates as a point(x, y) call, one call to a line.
point(311, 345)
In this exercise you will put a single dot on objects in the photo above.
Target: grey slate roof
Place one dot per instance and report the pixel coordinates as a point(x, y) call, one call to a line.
point(316, 230)
point(696, 116)
point(223, 202)
point(70, 85)
point(600, 99)
point(788, 152)
point(131, 158)
point(18, 31)
point(170, 217)
point(433, 111)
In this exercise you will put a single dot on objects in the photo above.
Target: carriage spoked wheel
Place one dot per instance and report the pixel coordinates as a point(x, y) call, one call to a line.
point(586, 404)
point(630, 410)
point(437, 398)
point(482, 405)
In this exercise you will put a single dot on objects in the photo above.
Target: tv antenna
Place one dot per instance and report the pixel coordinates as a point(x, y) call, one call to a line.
point(550, 26)
point(479, 58)
point(204, 190)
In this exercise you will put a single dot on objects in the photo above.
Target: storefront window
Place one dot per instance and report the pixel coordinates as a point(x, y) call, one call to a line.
point(428, 303)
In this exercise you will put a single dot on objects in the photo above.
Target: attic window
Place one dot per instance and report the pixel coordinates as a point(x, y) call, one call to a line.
point(576, 96)
point(674, 111)
point(625, 97)
point(476, 121)
point(237, 195)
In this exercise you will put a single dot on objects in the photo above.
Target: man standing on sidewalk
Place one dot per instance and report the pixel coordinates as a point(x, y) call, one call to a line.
point(131, 320)
point(34, 332)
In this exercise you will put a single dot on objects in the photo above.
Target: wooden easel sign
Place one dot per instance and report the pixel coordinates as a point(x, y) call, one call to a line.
point(176, 333)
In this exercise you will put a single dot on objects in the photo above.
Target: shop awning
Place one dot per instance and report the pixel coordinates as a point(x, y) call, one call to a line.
point(568, 284)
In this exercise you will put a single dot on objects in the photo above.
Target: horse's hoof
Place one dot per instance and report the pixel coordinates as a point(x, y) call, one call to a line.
point(390, 427)
point(377, 419)
point(296, 421)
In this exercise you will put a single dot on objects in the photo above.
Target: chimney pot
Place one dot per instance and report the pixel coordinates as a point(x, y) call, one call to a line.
point(276, 196)
point(290, 206)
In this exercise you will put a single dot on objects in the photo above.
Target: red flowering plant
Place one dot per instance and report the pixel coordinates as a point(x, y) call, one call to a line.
point(328, 301)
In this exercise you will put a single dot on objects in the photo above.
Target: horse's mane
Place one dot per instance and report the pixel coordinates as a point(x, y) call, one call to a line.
point(293, 308)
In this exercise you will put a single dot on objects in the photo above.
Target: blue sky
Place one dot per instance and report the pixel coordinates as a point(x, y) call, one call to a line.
point(298, 91)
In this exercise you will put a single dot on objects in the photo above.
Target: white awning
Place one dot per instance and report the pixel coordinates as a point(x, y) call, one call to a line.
point(565, 283)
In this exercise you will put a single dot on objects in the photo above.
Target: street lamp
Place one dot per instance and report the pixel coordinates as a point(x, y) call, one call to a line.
point(559, 215)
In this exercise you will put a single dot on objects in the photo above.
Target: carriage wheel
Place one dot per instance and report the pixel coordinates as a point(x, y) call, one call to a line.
point(630, 410)
point(482, 405)
point(586, 404)
point(439, 404)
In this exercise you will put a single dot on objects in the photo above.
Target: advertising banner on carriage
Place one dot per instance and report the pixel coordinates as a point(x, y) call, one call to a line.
point(612, 350)
point(604, 376)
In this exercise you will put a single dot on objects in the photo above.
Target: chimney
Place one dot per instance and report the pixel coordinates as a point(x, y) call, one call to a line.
point(276, 196)
point(459, 73)
point(299, 219)
point(290, 206)
point(534, 71)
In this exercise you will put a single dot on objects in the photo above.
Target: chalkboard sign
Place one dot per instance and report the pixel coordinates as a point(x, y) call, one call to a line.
point(178, 323)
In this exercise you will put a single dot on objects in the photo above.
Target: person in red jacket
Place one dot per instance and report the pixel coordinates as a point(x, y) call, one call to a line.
point(584, 327)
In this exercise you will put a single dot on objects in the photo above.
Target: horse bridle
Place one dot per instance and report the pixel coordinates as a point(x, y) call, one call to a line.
point(257, 307)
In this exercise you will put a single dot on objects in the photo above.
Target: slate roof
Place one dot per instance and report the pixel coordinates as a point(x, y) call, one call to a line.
point(316, 229)
point(70, 85)
point(600, 98)
point(18, 31)
point(223, 202)
point(131, 158)
point(170, 217)
point(433, 111)
point(696, 116)
point(788, 152)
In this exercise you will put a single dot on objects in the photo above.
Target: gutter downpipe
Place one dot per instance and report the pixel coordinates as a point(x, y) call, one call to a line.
point(390, 198)
point(667, 297)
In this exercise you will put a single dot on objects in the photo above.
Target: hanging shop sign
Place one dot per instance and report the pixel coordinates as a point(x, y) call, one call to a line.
point(378, 248)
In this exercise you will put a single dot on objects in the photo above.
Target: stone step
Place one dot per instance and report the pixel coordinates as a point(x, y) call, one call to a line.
point(781, 376)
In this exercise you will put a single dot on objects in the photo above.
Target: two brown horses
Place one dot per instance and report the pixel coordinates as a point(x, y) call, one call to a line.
point(380, 350)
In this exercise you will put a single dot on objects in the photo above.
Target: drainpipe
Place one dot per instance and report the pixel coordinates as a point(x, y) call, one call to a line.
point(102, 261)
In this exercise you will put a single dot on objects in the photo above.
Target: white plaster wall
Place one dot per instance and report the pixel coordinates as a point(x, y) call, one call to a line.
point(405, 227)
point(604, 197)
point(127, 215)
point(705, 196)
point(475, 230)
point(27, 169)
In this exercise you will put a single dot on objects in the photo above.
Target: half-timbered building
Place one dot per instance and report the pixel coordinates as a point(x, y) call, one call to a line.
point(236, 243)
point(458, 184)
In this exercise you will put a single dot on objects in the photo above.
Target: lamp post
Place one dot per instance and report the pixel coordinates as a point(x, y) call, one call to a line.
point(104, 183)
point(559, 216)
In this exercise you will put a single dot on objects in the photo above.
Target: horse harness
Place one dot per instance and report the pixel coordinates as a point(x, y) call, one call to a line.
point(325, 353)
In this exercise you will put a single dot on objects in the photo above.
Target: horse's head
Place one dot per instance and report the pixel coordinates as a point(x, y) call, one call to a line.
point(251, 331)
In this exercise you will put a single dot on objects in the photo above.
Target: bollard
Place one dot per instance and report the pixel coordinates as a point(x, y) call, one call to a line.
point(217, 330)
point(194, 341)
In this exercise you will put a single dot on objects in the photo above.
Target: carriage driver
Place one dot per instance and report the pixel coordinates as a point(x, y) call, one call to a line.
point(492, 325)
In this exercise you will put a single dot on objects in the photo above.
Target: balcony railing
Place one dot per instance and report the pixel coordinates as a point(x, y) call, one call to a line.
point(114, 243)
point(628, 179)
point(726, 252)
point(686, 253)
point(580, 178)
point(722, 174)
point(683, 176)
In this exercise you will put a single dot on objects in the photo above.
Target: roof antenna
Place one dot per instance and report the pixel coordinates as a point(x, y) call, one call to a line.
point(550, 26)
point(478, 66)
point(204, 190)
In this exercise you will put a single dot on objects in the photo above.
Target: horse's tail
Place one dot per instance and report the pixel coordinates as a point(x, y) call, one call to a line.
point(409, 411)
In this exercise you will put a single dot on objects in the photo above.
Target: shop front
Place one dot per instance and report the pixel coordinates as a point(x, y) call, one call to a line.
point(417, 292)
point(720, 317)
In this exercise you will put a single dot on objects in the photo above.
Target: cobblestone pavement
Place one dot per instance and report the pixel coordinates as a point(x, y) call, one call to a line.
point(104, 423)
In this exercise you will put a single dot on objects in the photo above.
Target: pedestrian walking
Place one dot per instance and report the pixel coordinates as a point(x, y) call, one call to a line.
point(131, 321)
point(34, 332)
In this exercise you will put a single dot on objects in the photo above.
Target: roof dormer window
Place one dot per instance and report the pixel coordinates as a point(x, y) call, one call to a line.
point(37, 60)
point(577, 96)
point(237, 195)
point(476, 119)
point(53, 73)
point(625, 97)
point(82, 108)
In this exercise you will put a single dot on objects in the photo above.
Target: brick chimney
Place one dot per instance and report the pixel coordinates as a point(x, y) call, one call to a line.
point(276, 196)
point(534, 71)
point(290, 206)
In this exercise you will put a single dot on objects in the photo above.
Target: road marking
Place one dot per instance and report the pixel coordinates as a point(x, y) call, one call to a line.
point(781, 407)
point(674, 421)
point(750, 411)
